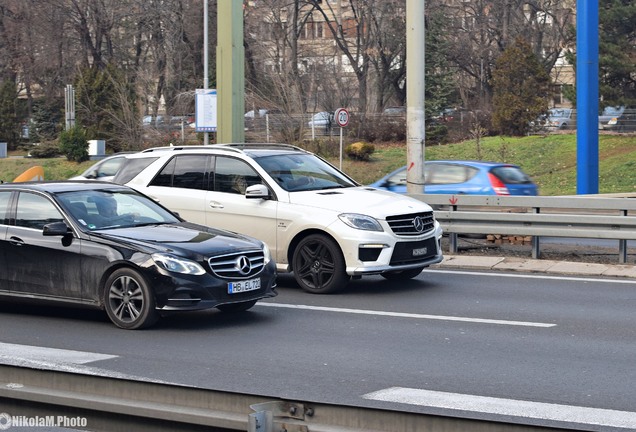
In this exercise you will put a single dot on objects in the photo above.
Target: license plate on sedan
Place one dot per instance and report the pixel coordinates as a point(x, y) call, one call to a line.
point(243, 286)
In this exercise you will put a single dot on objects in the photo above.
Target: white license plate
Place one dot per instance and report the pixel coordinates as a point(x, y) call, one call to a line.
point(420, 251)
point(243, 286)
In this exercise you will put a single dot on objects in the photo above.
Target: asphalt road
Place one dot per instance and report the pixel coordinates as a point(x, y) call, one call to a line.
point(547, 347)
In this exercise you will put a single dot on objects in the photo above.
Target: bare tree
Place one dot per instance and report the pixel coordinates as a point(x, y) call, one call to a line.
point(483, 29)
point(301, 55)
point(350, 31)
point(388, 55)
point(36, 50)
point(278, 64)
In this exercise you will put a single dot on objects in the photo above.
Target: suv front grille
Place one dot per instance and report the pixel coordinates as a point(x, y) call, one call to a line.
point(413, 224)
point(239, 265)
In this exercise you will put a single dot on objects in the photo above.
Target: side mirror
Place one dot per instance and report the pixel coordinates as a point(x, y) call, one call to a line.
point(257, 191)
point(56, 229)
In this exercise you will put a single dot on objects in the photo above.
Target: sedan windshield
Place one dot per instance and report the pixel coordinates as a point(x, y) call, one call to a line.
point(294, 172)
point(101, 209)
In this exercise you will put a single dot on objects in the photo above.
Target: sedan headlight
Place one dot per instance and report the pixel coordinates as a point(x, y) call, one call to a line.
point(361, 222)
point(267, 255)
point(177, 265)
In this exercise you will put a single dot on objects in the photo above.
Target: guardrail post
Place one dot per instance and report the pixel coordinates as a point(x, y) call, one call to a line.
point(622, 251)
point(536, 241)
point(278, 416)
point(622, 246)
point(452, 237)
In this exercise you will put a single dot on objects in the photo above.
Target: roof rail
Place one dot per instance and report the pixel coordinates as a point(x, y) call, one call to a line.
point(175, 148)
point(241, 146)
point(236, 147)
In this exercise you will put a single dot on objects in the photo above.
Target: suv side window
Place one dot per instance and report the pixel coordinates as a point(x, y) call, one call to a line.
point(4, 205)
point(130, 168)
point(190, 172)
point(233, 175)
point(30, 204)
point(184, 171)
point(164, 177)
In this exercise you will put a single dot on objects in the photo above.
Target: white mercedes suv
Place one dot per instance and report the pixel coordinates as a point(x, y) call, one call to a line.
point(319, 223)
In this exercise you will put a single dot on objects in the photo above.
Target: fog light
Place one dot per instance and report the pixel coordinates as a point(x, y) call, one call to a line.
point(370, 252)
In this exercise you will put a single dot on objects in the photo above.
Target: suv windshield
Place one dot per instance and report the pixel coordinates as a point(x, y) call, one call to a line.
point(303, 172)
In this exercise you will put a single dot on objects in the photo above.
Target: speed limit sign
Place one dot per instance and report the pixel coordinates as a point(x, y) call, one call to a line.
point(342, 117)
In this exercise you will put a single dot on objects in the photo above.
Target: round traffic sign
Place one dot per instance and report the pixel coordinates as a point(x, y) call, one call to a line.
point(342, 117)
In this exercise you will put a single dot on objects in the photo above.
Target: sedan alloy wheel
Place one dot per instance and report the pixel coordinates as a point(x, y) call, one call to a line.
point(128, 300)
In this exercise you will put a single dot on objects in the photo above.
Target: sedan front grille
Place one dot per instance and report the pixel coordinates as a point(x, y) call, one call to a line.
point(413, 224)
point(238, 265)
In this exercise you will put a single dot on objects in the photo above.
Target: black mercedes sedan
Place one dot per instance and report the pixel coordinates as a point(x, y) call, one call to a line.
point(107, 246)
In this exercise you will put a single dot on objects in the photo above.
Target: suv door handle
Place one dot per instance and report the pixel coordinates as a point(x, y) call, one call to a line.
point(215, 204)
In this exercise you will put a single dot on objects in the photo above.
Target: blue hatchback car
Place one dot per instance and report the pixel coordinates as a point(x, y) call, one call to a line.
point(465, 177)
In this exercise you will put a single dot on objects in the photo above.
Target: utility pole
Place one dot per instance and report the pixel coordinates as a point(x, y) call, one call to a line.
point(415, 114)
point(230, 72)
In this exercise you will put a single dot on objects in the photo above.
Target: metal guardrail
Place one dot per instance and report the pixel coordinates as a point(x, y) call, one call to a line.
point(108, 404)
point(584, 216)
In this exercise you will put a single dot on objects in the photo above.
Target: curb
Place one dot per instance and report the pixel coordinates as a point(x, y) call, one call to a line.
point(472, 262)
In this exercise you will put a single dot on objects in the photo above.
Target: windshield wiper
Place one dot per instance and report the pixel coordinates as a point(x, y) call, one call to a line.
point(150, 224)
point(337, 186)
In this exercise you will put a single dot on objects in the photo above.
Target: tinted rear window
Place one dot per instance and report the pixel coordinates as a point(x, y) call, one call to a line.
point(511, 175)
point(184, 171)
point(131, 168)
point(4, 204)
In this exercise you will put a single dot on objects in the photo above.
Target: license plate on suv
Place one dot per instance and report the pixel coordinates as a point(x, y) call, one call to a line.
point(243, 286)
point(411, 252)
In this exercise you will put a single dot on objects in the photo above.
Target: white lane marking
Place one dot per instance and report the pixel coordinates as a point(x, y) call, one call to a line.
point(409, 315)
point(530, 276)
point(52, 355)
point(508, 407)
point(62, 360)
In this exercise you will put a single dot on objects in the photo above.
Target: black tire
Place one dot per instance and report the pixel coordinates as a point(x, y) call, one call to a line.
point(236, 307)
point(128, 300)
point(318, 265)
point(402, 275)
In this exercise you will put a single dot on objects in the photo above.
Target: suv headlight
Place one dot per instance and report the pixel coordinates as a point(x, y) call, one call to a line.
point(177, 265)
point(361, 222)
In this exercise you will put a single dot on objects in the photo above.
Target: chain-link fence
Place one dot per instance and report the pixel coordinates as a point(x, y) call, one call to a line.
point(451, 126)
point(611, 119)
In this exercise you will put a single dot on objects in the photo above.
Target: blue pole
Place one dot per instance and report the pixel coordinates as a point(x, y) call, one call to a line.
point(587, 101)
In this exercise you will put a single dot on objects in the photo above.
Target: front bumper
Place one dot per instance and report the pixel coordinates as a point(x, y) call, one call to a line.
point(175, 292)
point(380, 252)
